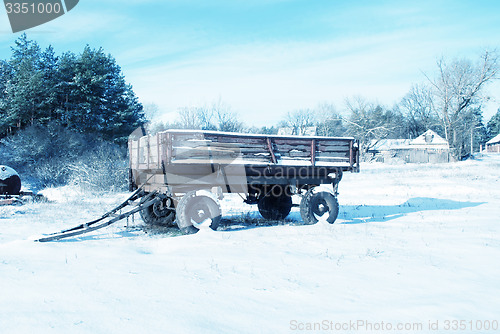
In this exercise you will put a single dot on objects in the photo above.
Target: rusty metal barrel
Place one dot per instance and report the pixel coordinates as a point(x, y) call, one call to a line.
point(10, 182)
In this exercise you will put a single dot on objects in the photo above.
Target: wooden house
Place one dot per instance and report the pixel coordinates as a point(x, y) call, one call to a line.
point(493, 145)
point(429, 147)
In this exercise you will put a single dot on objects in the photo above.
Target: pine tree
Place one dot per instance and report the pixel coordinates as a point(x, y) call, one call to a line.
point(86, 93)
point(5, 77)
point(64, 88)
point(49, 70)
point(494, 125)
point(24, 90)
point(102, 101)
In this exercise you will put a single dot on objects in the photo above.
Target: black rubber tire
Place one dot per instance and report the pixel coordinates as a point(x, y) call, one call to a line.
point(194, 208)
point(316, 203)
point(159, 214)
point(275, 206)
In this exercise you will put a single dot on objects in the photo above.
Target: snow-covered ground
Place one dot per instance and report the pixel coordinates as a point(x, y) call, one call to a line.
point(413, 244)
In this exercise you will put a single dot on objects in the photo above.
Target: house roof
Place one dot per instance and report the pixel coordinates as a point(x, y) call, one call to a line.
point(307, 131)
point(388, 144)
point(494, 140)
point(429, 139)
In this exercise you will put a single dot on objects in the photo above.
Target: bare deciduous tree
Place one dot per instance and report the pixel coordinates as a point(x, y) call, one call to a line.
point(324, 118)
point(189, 118)
point(369, 122)
point(299, 120)
point(151, 111)
point(329, 121)
point(418, 108)
point(226, 119)
point(458, 90)
point(218, 116)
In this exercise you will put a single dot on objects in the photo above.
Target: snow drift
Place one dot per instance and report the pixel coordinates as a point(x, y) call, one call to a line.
point(412, 244)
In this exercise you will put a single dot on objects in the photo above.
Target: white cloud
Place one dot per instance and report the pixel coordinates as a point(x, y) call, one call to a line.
point(264, 81)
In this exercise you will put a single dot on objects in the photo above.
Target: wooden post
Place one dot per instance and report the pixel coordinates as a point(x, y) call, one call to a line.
point(351, 157)
point(149, 151)
point(158, 160)
point(472, 141)
point(169, 148)
point(313, 152)
point(130, 152)
point(138, 152)
point(357, 157)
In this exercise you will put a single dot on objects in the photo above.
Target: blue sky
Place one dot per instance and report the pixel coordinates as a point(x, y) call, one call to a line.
point(265, 58)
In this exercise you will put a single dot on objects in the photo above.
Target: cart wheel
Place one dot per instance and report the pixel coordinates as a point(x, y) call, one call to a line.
point(318, 205)
point(197, 209)
point(275, 206)
point(161, 213)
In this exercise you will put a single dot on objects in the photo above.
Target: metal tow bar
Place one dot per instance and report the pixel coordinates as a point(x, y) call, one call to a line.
point(108, 218)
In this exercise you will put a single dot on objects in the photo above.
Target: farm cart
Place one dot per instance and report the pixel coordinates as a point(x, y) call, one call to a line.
point(179, 177)
point(191, 170)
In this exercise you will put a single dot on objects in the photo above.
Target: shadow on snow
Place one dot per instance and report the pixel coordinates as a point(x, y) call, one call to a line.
point(353, 214)
point(360, 214)
point(349, 214)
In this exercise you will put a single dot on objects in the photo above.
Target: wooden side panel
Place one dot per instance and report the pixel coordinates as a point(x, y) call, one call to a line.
point(134, 154)
point(197, 147)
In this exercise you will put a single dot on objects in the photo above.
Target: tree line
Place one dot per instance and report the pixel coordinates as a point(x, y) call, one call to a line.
point(449, 102)
point(65, 119)
point(85, 92)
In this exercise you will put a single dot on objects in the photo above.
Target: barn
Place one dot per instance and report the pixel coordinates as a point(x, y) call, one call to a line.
point(493, 145)
point(428, 147)
point(384, 150)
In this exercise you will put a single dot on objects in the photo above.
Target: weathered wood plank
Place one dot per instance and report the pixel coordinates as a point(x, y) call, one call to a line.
point(190, 143)
point(286, 147)
point(193, 160)
point(236, 140)
point(332, 154)
point(295, 154)
point(220, 149)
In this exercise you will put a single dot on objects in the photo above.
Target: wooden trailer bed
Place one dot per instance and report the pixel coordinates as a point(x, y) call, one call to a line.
point(195, 153)
point(178, 164)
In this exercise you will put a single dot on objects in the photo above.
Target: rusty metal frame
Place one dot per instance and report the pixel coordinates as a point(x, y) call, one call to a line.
point(270, 148)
